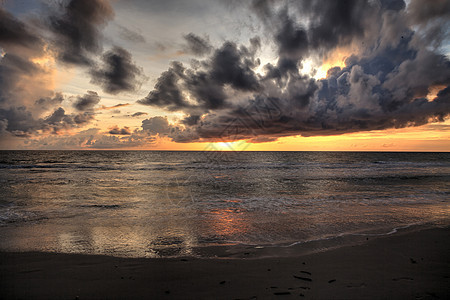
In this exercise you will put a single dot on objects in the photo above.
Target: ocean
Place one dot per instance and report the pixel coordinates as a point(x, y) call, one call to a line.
point(173, 204)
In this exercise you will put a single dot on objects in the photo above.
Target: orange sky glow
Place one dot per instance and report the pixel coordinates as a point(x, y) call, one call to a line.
point(141, 80)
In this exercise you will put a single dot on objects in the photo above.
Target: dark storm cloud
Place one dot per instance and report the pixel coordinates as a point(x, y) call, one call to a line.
point(59, 120)
point(191, 120)
point(72, 32)
point(395, 5)
point(422, 11)
point(156, 125)
point(83, 118)
point(23, 98)
point(120, 131)
point(228, 66)
point(15, 32)
point(22, 80)
point(77, 29)
point(20, 122)
point(197, 45)
point(50, 101)
point(57, 117)
point(383, 85)
point(227, 95)
point(138, 114)
point(337, 22)
point(234, 66)
point(433, 18)
point(87, 101)
point(118, 73)
point(291, 39)
point(12, 69)
point(167, 93)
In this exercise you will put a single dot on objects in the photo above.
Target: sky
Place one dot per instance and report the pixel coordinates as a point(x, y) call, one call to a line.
point(305, 75)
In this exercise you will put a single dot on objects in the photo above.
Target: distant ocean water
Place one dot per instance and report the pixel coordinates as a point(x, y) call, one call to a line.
point(152, 204)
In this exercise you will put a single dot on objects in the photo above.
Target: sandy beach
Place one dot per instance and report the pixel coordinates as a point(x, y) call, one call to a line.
point(414, 265)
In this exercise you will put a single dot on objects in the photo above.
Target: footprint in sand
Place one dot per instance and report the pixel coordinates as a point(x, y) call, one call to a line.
point(281, 293)
point(362, 285)
point(402, 278)
point(302, 278)
point(306, 272)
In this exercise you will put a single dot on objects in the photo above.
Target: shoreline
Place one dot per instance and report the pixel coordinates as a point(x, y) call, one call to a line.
point(308, 247)
point(242, 250)
point(407, 265)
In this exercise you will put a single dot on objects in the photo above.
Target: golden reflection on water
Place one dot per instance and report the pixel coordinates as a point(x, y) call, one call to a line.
point(231, 222)
point(122, 241)
point(228, 222)
point(153, 240)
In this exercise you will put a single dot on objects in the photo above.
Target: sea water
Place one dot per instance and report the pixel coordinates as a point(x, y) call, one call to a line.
point(169, 203)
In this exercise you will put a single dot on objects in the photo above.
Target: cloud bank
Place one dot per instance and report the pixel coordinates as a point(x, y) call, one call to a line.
point(68, 33)
point(384, 84)
point(386, 70)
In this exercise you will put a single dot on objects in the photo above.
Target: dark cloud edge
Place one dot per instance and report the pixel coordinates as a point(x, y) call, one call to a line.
point(378, 89)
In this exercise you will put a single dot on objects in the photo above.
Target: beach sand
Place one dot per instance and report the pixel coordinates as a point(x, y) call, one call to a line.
point(413, 265)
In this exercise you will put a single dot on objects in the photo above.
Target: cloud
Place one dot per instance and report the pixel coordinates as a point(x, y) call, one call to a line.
point(20, 122)
point(384, 84)
point(50, 101)
point(113, 142)
point(3, 126)
point(393, 64)
point(130, 35)
point(29, 51)
point(197, 45)
point(120, 131)
point(292, 40)
point(422, 11)
point(87, 101)
point(206, 86)
point(91, 138)
point(191, 120)
point(13, 70)
point(28, 105)
point(138, 114)
point(15, 33)
point(22, 79)
point(118, 73)
point(156, 125)
point(44, 104)
point(18, 119)
point(114, 106)
point(77, 31)
point(338, 23)
point(167, 93)
point(433, 19)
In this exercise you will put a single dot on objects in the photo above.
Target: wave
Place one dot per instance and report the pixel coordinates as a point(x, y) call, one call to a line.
point(331, 237)
point(12, 216)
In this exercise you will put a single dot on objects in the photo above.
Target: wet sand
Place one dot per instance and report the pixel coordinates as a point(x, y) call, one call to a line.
point(413, 265)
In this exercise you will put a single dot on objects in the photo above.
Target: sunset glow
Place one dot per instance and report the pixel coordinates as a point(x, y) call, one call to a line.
point(151, 76)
